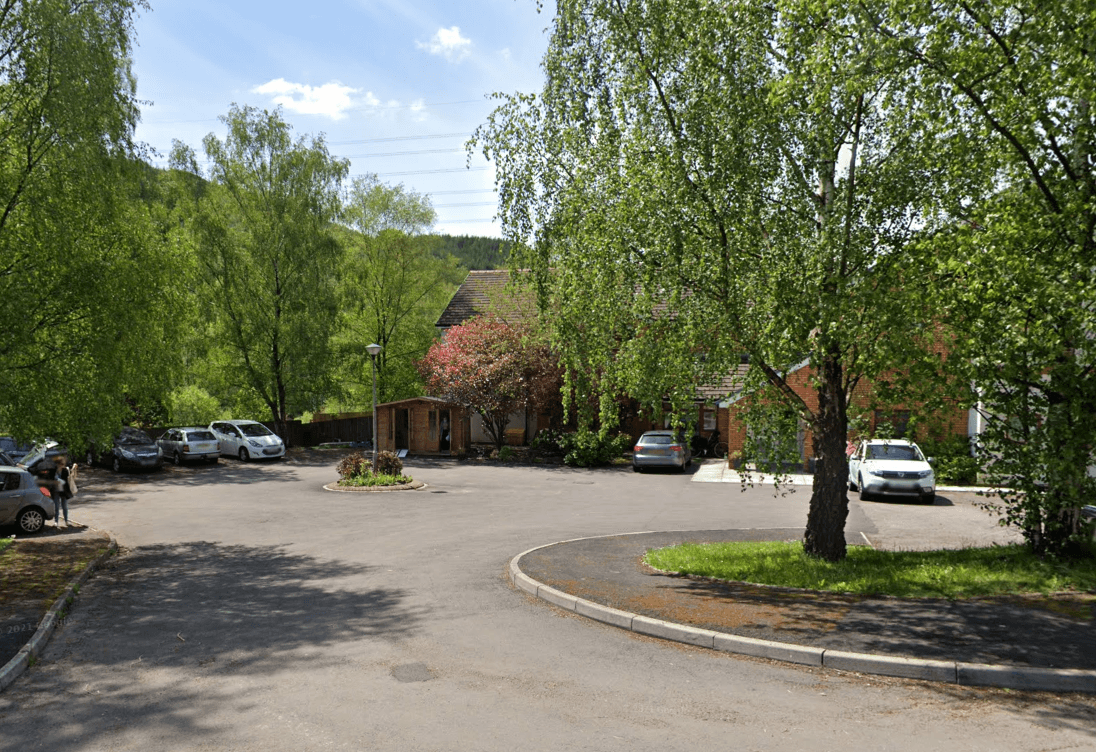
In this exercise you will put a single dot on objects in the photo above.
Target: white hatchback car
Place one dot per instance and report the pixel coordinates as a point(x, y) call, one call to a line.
point(891, 467)
point(247, 439)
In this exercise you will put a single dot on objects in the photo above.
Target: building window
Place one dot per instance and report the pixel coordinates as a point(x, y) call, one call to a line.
point(891, 424)
point(708, 419)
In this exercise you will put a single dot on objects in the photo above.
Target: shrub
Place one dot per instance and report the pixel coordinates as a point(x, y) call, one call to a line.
point(952, 462)
point(506, 454)
point(548, 441)
point(368, 480)
point(354, 465)
point(587, 448)
point(389, 464)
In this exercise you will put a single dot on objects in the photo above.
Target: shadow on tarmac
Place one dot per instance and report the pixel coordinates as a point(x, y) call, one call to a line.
point(174, 612)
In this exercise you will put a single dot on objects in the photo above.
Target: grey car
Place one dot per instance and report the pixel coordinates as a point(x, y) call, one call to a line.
point(22, 502)
point(185, 444)
point(661, 449)
point(13, 449)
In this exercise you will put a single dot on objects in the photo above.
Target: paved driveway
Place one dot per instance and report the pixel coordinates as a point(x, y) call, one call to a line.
point(254, 610)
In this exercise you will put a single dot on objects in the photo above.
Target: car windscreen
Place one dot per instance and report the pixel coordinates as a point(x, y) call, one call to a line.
point(133, 438)
point(255, 429)
point(200, 436)
point(657, 440)
point(893, 452)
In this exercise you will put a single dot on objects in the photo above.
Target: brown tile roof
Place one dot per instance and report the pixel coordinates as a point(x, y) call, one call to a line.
point(484, 292)
point(726, 386)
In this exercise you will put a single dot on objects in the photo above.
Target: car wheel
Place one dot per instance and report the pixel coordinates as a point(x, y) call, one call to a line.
point(852, 485)
point(116, 465)
point(212, 460)
point(864, 495)
point(176, 459)
point(31, 520)
point(244, 456)
point(637, 469)
point(929, 498)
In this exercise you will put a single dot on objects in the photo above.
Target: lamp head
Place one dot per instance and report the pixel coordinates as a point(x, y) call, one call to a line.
point(374, 350)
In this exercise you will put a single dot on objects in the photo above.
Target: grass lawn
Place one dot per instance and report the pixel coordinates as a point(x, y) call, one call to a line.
point(39, 569)
point(965, 573)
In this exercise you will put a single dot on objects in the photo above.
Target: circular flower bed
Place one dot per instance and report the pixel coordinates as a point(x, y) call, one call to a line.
point(356, 474)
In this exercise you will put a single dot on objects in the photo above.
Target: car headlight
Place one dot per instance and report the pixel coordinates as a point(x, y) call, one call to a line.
point(254, 443)
point(128, 454)
point(925, 474)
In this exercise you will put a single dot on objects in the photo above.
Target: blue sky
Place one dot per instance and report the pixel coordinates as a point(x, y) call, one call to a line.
point(380, 78)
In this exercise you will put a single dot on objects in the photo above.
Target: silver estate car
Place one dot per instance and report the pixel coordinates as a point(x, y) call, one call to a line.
point(661, 449)
point(22, 502)
point(184, 444)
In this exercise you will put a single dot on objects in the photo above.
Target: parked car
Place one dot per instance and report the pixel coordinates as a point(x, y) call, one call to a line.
point(6, 459)
point(891, 467)
point(246, 439)
point(41, 460)
point(191, 443)
point(13, 448)
point(132, 449)
point(661, 449)
point(22, 502)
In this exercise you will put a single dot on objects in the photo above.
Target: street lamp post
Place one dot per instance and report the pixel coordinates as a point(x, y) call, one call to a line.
point(374, 350)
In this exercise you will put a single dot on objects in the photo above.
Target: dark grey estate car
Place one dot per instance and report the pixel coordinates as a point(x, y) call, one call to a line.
point(184, 444)
point(661, 449)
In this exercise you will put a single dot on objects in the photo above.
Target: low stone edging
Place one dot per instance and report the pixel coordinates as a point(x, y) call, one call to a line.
point(28, 654)
point(412, 486)
point(952, 672)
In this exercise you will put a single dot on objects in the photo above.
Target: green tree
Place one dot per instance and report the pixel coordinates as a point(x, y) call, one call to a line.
point(83, 267)
point(391, 289)
point(701, 180)
point(1009, 88)
point(268, 258)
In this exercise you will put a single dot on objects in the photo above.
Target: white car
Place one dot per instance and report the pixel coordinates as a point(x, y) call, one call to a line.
point(247, 439)
point(891, 467)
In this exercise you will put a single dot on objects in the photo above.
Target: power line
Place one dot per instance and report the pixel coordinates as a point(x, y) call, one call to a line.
point(465, 221)
point(473, 203)
point(404, 153)
point(397, 138)
point(363, 108)
point(426, 172)
point(449, 193)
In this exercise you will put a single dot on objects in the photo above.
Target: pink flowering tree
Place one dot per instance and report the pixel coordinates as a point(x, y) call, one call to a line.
point(493, 368)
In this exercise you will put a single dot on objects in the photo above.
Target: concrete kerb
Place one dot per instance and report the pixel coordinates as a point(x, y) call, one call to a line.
point(412, 486)
point(29, 653)
point(947, 672)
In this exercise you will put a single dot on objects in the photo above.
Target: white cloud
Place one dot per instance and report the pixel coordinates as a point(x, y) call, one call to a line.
point(449, 44)
point(332, 99)
point(505, 52)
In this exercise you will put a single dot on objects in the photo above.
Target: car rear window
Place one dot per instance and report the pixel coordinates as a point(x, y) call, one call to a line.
point(657, 440)
point(200, 436)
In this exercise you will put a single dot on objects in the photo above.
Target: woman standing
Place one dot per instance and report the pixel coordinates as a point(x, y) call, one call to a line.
point(64, 488)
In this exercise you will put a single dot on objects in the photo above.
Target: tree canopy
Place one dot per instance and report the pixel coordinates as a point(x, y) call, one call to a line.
point(701, 180)
point(263, 233)
point(83, 265)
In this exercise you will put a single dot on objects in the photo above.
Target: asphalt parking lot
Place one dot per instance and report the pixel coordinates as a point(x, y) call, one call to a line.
point(253, 610)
